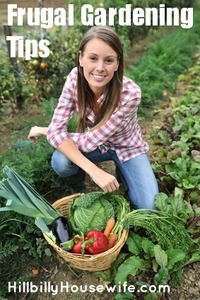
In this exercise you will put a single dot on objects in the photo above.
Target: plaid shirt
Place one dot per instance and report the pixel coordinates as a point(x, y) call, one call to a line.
point(121, 132)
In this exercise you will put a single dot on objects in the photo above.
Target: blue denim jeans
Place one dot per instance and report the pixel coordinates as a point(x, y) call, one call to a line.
point(136, 174)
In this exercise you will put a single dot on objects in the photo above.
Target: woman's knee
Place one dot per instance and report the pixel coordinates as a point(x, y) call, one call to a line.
point(142, 199)
point(62, 165)
point(141, 182)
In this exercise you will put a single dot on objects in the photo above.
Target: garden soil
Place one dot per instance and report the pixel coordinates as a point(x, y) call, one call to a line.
point(52, 269)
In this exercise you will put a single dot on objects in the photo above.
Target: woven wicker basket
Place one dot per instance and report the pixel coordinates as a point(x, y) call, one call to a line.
point(98, 262)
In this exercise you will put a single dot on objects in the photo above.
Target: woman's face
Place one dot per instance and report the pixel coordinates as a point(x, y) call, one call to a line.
point(99, 62)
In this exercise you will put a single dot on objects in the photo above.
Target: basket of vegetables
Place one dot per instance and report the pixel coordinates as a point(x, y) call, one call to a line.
point(96, 239)
point(83, 229)
point(87, 231)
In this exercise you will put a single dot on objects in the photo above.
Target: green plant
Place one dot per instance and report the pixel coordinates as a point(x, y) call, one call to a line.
point(178, 139)
point(23, 199)
point(47, 75)
point(20, 247)
point(8, 85)
point(19, 156)
point(157, 250)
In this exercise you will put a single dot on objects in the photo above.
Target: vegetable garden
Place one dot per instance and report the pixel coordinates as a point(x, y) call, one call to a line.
point(159, 245)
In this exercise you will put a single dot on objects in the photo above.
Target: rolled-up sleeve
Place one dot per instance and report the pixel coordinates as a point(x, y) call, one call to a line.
point(91, 139)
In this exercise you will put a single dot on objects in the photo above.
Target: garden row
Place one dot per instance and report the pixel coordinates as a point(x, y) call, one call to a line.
point(177, 151)
point(157, 71)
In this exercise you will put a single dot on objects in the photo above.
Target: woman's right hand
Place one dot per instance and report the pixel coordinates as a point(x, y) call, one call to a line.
point(36, 131)
point(106, 181)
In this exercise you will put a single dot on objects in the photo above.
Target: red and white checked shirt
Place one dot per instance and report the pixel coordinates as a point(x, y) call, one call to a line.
point(121, 132)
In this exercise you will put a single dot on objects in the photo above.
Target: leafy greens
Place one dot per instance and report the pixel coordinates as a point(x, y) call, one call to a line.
point(90, 211)
point(23, 199)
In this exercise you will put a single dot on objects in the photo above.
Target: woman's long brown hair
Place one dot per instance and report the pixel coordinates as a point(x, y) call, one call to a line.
point(112, 95)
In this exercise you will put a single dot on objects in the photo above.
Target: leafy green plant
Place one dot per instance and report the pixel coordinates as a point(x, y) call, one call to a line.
point(23, 199)
point(178, 140)
point(157, 251)
point(90, 211)
point(21, 245)
point(185, 172)
point(8, 86)
point(19, 156)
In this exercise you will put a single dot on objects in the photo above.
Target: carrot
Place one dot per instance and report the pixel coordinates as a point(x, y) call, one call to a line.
point(109, 226)
point(112, 239)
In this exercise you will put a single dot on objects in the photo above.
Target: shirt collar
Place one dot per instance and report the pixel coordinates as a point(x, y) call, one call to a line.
point(101, 99)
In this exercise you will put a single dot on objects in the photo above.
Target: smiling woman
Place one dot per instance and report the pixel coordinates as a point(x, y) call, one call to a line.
point(99, 62)
point(106, 103)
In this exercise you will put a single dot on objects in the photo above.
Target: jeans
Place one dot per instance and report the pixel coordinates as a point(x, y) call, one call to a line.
point(136, 174)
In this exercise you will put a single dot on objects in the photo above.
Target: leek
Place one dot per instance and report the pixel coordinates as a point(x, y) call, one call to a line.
point(23, 199)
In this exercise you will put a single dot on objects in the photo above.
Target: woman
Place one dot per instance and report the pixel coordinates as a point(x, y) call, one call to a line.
point(106, 103)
